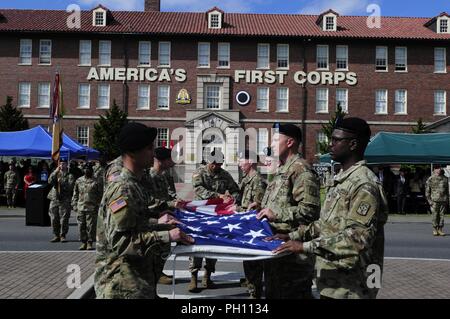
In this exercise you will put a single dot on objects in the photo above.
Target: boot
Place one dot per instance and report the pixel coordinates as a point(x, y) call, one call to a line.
point(165, 280)
point(63, 239)
point(83, 246)
point(435, 232)
point(206, 281)
point(55, 239)
point(440, 232)
point(89, 246)
point(193, 284)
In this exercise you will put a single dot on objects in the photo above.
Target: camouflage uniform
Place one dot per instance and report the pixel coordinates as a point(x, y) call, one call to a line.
point(172, 189)
point(11, 182)
point(437, 193)
point(60, 197)
point(208, 185)
point(99, 174)
point(113, 169)
point(252, 191)
point(349, 236)
point(126, 244)
point(87, 195)
point(294, 197)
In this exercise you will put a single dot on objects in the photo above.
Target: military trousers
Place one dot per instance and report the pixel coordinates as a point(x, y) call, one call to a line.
point(160, 260)
point(195, 264)
point(253, 271)
point(11, 195)
point(87, 225)
point(438, 210)
point(59, 214)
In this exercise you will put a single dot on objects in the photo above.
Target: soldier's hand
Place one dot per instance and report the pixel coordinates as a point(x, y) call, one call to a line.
point(283, 237)
point(292, 246)
point(179, 203)
point(253, 206)
point(266, 213)
point(176, 235)
point(168, 219)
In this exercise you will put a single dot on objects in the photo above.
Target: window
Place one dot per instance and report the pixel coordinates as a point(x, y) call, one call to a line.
point(401, 59)
point(214, 20)
point(163, 137)
point(99, 18)
point(143, 97)
point(203, 55)
point(104, 53)
point(224, 55)
point(443, 26)
point(440, 64)
point(283, 55)
point(321, 100)
point(262, 140)
point(84, 96)
point(164, 54)
point(381, 60)
point(24, 94)
point(322, 57)
point(163, 96)
point(145, 49)
point(381, 101)
point(330, 23)
point(83, 135)
point(322, 138)
point(45, 52)
point(263, 56)
point(342, 99)
point(44, 95)
point(85, 52)
point(282, 100)
point(212, 97)
point(342, 57)
point(103, 96)
point(400, 102)
point(26, 50)
point(262, 102)
point(440, 103)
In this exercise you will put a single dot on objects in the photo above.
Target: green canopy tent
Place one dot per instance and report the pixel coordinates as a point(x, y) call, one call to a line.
point(400, 148)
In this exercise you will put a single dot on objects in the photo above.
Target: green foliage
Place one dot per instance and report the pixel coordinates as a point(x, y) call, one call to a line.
point(419, 128)
point(327, 129)
point(11, 118)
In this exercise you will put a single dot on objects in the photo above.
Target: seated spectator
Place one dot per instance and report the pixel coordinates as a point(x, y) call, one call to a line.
point(28, 180)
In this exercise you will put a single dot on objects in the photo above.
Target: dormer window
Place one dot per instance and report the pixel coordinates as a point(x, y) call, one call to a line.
point(328, 20)
point(215, 18)
point(99, 16)
point(440, 24)
point(330, 23)
point(443, 25)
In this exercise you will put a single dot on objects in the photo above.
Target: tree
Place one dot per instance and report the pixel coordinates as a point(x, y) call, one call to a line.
point(328, 128)
point(420, 128)
point(11, 118)
point(107, 130)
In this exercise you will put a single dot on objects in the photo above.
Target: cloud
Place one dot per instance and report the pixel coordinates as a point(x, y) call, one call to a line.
point(344, 7)
point(126, 5)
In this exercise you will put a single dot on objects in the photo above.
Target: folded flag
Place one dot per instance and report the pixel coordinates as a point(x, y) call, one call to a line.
point(215, 206)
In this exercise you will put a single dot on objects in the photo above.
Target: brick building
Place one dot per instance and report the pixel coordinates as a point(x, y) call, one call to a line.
point(218, 71)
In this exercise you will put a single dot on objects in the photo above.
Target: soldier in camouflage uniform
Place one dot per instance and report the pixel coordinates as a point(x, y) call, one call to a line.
point(60, 197)
point(210, 181)
point(87, 195)
point(100, 171)
point(437, 194)
point(127, 245)
point(348, 239)
point(291, 199)
point(11, 183)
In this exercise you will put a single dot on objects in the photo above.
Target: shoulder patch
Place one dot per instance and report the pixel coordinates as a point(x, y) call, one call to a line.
point(114, 177)
point(117, 205)
point(363, 209)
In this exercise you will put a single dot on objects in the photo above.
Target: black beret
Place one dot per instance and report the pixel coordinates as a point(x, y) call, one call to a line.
point(268, 151)
point(216, 156)
point(162, 153)
point(249, 155)
point(135, 136)
point(353, 125)
point(290, 130)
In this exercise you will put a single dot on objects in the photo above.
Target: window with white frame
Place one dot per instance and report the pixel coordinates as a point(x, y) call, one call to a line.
point(322, 57)
point(26, 51)
point(330, 23)
point(104, 52)
point(103, 96)
point(164, 54)
point(321, 139)
point(145, 49)
point(401, 59)
point(283, 55)
point(84, 96)
point(83, 135)
point(321, 100)
point(263, 56)
point(262, 101)
point(224, 55)
point(440, 102)
point(99, 18)
point(163, 96)
point(381, 99)
point(282, 99)
point(85, 52)
point(215, 20)
point(440, 63)
point(262, 140)
point(342, 57)
point(24, 94)
point(401, 102)
point(342, 99)
point(44, 95)
point(162, 139)
point(212, 96)
point(381, 59)
point(45, 52)
point(443, 25)
point(143, 97)
point(203, 54)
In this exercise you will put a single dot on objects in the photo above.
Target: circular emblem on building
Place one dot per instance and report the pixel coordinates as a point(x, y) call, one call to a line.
point(243, 98)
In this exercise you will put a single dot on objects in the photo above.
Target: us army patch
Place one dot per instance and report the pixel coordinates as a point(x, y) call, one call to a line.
point(117, 205)
point(113, 177)
point(363, 209)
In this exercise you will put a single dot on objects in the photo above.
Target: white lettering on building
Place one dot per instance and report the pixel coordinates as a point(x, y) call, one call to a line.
point(136, 74)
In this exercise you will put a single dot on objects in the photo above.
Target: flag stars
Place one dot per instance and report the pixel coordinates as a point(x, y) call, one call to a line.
point(231, 227)
point(254, 235)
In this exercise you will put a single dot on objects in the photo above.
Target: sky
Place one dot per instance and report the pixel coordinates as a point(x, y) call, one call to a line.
point(402, 8)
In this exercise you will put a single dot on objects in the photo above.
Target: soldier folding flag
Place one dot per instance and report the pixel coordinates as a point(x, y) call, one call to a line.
point(56, 115)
